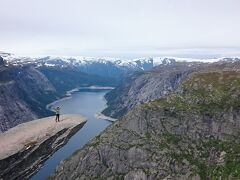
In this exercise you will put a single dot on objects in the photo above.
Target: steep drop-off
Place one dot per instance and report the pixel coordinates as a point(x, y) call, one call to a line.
point(147, 86)
point(24, 93)
point(190, 134)
point(25, 147)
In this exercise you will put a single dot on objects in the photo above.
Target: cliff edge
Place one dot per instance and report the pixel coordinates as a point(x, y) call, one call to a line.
point(25, 147)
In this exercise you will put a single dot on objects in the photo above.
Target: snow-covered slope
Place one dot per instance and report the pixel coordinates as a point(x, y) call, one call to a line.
point(81, 61)
point(168, 60)
point(104, 66)
point(141, 63)
point(110, 67)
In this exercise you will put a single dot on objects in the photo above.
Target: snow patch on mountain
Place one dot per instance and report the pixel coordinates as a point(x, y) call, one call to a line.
point(143, 63)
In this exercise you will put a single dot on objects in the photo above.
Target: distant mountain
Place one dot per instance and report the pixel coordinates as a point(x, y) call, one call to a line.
point(149, 85)
point(191, 133)
point(106, 67)
point(103, 66)
point(146, 86)
point(27, 84)
point(25, 91)
point(65, 79)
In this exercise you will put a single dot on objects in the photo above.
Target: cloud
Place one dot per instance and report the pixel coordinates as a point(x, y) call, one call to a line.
point(91, 26)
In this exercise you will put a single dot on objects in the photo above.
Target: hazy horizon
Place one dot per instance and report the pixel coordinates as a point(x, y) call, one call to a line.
point(121, 28)
point(197, 53)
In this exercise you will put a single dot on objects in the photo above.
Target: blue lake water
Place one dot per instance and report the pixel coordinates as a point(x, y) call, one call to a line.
point(87, 103)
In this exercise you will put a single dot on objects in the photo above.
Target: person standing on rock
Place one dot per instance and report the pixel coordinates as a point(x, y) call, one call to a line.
point(57, 111)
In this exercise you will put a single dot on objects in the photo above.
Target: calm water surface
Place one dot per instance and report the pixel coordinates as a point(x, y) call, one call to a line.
point(86, 103)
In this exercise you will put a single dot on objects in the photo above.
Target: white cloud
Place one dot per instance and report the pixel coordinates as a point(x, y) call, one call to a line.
point(95, 26)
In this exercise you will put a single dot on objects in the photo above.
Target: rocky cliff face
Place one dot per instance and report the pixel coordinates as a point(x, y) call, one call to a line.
point(65, 79)
point(27, 146)
point(25, 90)
point(24, 93)
point(190, 134)
point(147, 86)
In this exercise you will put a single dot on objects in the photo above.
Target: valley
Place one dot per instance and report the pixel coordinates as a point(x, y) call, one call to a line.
point(120, 90)
point(86, 102)
point(191, 133)
point(176, 119)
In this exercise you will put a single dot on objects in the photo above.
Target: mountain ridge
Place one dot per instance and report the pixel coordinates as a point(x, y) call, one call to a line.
point(192, 133)
point(147, 86)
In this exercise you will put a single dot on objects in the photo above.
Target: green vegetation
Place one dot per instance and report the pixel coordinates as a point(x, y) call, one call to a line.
point(171, 138)
point(147, 135)
point(226, 164)
point(201, 146)
point(206, 92)
point(96, 141)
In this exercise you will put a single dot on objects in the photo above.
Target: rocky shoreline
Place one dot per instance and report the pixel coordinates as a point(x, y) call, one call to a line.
point(27, 146)
point(102, 116)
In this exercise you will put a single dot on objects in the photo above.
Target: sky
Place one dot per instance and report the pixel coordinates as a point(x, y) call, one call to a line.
point(120, 27)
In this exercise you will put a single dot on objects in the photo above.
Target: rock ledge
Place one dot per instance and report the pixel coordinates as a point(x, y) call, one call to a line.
point(25, 147)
